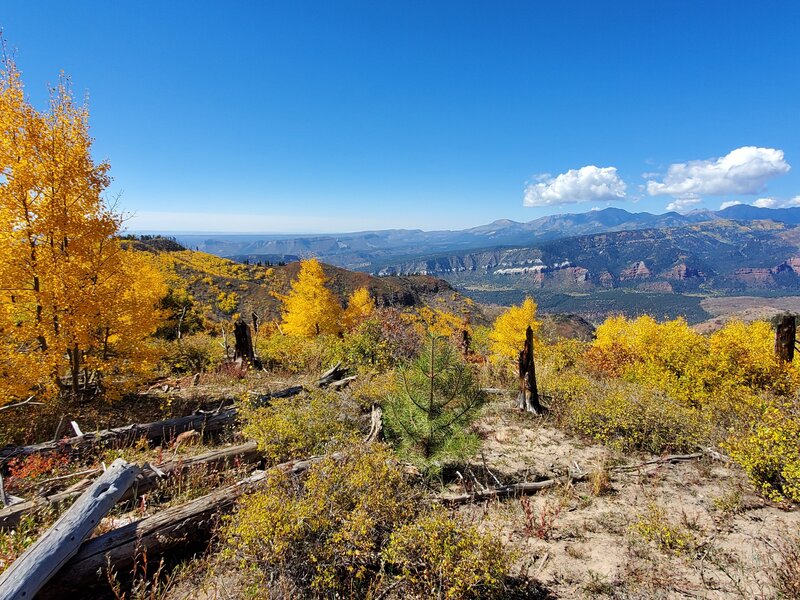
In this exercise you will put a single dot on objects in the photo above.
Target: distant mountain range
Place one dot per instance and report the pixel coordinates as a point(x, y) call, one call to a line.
point(377, 251)
point(594, 264)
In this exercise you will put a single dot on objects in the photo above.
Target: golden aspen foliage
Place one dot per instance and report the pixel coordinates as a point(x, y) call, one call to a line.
point(310, 308)
point(438, 323)
point(508, 334)
point(74, 305)
point(360, 307)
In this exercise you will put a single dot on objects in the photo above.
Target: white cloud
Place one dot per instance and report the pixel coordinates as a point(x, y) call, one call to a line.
point(586, 184)
point(684, 204)
point(775, 203)
point(766, 203)
point(745, 170)
point(728, 204)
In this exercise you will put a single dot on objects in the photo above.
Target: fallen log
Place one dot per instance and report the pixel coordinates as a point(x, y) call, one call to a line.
point(45, 558)
point(156, 535)
point(205, 421)
point(334, 374)
point(516, 489)
point(335, 377)
point(664, 460)
point(522, 488)
point(120, 436)
point(147, 480)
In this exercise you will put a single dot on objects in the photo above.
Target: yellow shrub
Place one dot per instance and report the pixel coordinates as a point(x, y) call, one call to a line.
point(439, 323)
point(227, 301)
point(192, 353)
point(634, 417)
point(440, 557)
point(770, 452)
point(655, 527)
point(297, 427)
point(326, 534)
point(687, 366)
point(744, 355)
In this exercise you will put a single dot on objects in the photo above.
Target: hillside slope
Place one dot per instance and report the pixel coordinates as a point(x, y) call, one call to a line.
point(217, 289)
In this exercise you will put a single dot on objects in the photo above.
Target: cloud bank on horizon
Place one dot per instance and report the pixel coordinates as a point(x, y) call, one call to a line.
point(745, 171)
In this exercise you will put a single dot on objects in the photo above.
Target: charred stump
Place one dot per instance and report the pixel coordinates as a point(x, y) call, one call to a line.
point(785, 335)
point(244, 343)
point(528, 391)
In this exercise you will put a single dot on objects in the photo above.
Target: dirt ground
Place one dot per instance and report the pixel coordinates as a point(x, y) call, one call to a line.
point(695, 529)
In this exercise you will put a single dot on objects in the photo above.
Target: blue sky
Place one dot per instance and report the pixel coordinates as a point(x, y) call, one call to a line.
point(342, 116)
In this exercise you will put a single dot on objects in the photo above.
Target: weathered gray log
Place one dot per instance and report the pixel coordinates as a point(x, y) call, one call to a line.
point(39, 563)
point(516, 489)
point(156, 535)
point(375, 433)
point(246, 453)
point(158, 430)
point(335, 373)
point(206, 421)
point(335, 377)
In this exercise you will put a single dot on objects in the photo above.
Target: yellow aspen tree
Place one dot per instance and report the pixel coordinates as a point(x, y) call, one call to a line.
point(508, 334)
point(360, 307)
point(310, 308)
point(67, 287)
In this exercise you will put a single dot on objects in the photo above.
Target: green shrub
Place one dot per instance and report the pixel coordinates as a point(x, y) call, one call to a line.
point(325, 534)
point(365, 346)
point(193, 353)
point(440, 557)
point(295, 354)
point(302, 426)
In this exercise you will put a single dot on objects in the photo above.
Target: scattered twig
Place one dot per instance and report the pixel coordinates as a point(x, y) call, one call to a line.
point(23, 403)
point(671, 458)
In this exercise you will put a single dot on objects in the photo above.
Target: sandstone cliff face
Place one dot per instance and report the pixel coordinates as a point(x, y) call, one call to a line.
point(754, 277)
point(637, 270)
point(682, 272)
point(768, 277)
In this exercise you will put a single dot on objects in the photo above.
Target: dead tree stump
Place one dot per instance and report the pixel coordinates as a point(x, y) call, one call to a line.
point(244, 342)
point(785, 339)
point(528, 391)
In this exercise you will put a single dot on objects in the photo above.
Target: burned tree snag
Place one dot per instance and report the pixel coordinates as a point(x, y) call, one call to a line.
point(466, 342)
point(528, 392)
point(244, 342)
point(785, 339)
point(255, 323)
